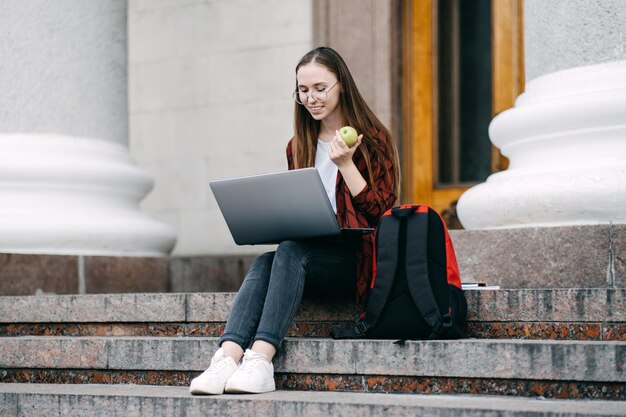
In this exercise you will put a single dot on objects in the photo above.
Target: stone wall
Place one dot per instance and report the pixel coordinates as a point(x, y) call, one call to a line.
point(210, 86)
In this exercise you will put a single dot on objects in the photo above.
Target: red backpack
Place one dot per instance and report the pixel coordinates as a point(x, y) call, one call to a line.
point(416, 289)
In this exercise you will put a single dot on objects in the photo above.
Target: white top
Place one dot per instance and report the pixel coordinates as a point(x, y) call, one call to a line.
point(327, 170)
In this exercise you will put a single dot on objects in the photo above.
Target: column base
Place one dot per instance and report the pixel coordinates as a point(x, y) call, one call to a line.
point(79, 196)
point(565, 141)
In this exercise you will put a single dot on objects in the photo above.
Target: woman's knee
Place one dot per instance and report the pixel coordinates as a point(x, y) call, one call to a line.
point(291, 259)
point(260, 269)
point(262, 264)
point(292, 248)
point(265, 260)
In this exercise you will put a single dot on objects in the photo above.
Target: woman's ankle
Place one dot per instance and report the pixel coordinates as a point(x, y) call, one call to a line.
point(233, 350)
point(265, 348)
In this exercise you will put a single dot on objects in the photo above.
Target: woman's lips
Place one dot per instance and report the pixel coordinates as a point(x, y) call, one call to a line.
point(316, 109)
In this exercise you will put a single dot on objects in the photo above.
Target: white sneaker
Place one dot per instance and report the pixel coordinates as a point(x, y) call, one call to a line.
point(254, 375)
point(213, 380)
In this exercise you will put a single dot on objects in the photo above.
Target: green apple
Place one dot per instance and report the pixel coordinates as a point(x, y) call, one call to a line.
point(348, 134)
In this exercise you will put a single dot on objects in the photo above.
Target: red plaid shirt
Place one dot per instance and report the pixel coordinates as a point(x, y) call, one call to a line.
point(363, 210)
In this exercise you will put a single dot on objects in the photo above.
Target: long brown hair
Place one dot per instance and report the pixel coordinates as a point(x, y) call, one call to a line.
point(377, 143)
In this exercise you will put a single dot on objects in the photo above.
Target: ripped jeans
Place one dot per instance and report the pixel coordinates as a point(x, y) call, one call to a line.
point(273, 287)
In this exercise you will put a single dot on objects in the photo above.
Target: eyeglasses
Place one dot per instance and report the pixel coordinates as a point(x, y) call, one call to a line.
point(302, 97)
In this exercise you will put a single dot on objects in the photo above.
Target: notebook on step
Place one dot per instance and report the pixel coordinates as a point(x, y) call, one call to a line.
point(270, 208)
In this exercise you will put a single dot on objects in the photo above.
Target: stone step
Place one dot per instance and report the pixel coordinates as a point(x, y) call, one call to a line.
point(131, 400)
point(574, 369)
point(575, 314)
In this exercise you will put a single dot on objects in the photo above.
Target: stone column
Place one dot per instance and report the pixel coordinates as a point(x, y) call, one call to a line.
point(67, 183)
point(566, 135)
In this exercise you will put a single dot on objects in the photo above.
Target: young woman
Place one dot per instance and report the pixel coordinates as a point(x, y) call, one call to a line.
point(362, 182)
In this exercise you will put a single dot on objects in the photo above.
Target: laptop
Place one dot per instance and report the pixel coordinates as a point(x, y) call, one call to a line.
point(270, 208)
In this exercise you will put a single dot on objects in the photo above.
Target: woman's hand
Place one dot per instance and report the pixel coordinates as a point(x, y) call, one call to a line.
point(340, 153)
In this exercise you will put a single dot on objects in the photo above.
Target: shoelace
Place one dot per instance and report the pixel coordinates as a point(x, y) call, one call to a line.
point(217, 365)
point(249, 364)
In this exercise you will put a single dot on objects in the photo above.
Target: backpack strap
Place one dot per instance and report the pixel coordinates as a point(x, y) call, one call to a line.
point(386, 258)
point(417, 269)
point(359, 330)
point(388, 231)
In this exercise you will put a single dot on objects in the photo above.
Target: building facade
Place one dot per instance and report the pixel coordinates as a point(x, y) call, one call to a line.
point(108, 104)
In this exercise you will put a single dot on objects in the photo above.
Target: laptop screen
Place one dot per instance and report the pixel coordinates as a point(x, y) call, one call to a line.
point(270, 208)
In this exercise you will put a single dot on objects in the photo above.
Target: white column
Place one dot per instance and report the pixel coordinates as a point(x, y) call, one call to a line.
point(67, 183)
point(566, 135)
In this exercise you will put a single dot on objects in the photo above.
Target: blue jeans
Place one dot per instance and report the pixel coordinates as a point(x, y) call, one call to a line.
point(273, 287)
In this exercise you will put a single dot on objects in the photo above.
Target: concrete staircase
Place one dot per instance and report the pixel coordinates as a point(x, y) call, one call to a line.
point(537, 352)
